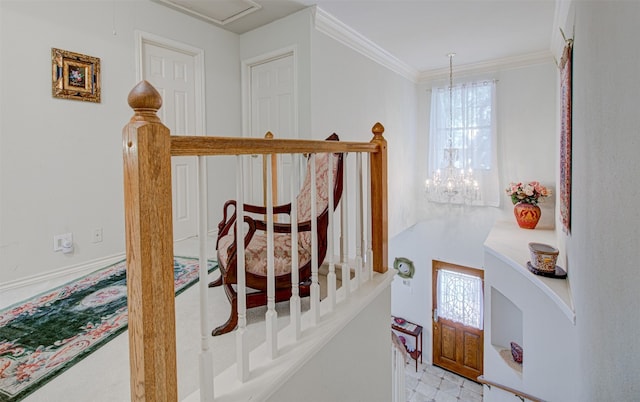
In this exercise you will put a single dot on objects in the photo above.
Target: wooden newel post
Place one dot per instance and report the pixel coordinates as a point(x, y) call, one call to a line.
point(149, 245)
point(379, 220)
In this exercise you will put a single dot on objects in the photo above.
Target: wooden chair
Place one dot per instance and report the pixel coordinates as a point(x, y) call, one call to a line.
point(255, 241)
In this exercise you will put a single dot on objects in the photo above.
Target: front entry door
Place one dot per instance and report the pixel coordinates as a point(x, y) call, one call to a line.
point(458, 335)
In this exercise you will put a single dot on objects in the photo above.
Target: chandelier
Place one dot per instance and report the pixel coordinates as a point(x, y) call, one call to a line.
point(455, 182)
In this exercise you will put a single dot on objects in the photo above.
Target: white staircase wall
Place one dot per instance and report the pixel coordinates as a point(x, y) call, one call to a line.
point(354, 366)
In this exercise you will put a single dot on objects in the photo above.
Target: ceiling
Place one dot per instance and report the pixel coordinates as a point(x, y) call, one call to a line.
point(419, 33)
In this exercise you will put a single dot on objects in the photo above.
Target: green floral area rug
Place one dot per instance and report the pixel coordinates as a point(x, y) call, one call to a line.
point(43, 336)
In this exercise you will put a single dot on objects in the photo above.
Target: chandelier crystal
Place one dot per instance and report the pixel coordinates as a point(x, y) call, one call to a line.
point(454, 183)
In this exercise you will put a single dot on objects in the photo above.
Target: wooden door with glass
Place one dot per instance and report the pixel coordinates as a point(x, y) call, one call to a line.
point(458, 335)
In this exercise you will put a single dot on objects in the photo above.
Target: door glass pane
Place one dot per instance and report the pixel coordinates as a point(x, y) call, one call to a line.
point(460, 298)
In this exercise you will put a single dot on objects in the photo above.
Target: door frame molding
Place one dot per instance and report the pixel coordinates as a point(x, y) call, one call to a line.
point(142, 37)
point(245, 78)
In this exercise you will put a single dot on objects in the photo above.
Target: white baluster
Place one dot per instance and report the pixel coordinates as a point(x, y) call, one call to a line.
point(398, 367)
point(315, 287)
point(369, 257)
point(271, 316)
point(294, 302)
point(242, 352)
point(344, 219)
point(206, 354)
point(394, 374)
point(331, 277)
point(359, 221)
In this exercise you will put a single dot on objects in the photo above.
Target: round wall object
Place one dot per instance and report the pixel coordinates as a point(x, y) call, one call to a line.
point(404, 266)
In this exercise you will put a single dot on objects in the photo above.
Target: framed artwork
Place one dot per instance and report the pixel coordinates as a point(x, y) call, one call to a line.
point(565, 136)
point(75, 76)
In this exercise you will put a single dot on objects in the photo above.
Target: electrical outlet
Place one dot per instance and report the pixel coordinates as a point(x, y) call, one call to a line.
point(59, 241)
point(97, 235)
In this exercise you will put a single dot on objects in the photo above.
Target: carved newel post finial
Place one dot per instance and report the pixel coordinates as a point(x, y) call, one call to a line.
point(377, 130)
point(145, 101)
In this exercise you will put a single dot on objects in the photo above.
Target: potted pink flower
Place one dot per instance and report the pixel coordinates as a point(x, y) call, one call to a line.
point(525, 197)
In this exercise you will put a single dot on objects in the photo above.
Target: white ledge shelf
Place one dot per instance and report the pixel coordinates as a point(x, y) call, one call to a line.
point(509, 243)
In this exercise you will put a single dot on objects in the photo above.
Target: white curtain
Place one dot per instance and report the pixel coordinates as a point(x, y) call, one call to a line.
point(472, 130)
point(460, 298)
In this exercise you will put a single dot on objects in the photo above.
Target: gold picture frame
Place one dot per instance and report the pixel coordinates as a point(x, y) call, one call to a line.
point(75, 76)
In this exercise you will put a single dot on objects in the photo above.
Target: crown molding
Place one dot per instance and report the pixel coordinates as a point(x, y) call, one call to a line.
point(336, 29)
point(488, 66)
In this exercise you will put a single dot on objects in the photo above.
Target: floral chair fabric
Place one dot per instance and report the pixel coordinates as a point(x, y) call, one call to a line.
point(256, 251)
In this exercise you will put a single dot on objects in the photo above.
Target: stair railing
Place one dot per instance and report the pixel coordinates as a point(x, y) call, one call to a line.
point(523, 396)
point(147, 150)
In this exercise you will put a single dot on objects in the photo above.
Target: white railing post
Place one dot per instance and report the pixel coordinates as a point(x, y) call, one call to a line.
point(344, 232)
point(359, 221)
point(294, 301)
point(398, 381)
point(331, 276)
point(206, 355)
point(242, 354)
point(271, 316)
point(315, 287)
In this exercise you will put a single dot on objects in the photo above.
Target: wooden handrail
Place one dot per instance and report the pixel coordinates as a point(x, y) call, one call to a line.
point(515, 392)
point(210, 146)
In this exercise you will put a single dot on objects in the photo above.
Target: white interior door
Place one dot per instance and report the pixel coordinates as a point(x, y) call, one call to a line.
point(272, 109)
point(172, 72)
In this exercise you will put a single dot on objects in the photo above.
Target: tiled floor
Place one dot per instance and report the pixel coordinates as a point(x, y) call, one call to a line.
point(433, 384)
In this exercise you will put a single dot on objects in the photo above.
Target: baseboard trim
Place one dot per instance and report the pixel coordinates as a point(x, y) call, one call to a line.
point(73, 270)
point(15, 290)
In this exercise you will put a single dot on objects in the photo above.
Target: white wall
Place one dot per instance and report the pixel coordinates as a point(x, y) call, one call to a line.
point(61, 160)
point(526, 151)
point(350, 93)
point(604, 245)
point(353, 366)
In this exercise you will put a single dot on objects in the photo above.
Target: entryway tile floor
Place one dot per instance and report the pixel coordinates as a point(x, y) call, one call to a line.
point(433, 384)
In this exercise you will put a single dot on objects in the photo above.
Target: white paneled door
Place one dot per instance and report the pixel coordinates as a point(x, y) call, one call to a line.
point(172, 72)
point(272, 109)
